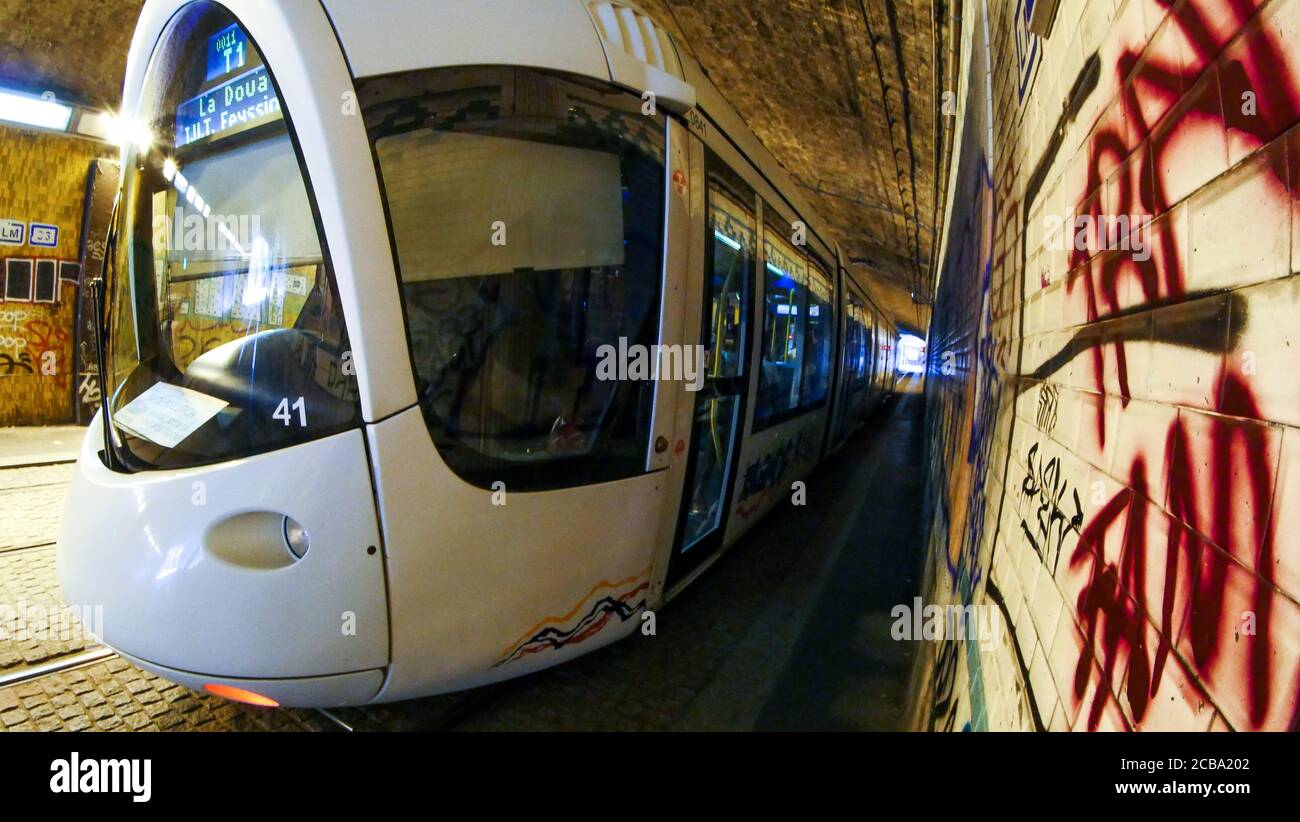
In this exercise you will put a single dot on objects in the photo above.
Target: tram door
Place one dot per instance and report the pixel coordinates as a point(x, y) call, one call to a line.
point(731, 242)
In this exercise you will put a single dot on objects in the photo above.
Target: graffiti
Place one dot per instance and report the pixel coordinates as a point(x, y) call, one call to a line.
point(598, 608)
point(1026, 46)
point(44, 337)
point(12, 318)
point(88, 389)
point(1048, 399)
point(964, 400)
point(1046, 489)
point(765, 473)
point(52, 347)
point(1115, 607)
point(943, 713)
point(1160, 570)
point(1115, 604)
point(9, 363)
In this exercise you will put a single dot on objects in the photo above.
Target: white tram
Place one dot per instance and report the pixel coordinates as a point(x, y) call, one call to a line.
point(369, 266)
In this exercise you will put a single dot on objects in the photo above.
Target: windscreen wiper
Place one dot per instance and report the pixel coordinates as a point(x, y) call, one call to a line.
point(97, 298)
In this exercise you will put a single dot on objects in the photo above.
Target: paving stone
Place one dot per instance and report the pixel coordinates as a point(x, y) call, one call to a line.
point(31, 503)
point(35, 624)
point(143, 703)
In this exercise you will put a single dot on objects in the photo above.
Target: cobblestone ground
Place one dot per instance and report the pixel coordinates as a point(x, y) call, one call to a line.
point(116, 696)
point(35, 625)
point(31, 503)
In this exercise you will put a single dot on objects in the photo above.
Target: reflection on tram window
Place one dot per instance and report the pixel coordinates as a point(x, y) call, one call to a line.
point(856, 343)
point(224, 309)
point(527, 217)
point(785, 309)
point(819, 333)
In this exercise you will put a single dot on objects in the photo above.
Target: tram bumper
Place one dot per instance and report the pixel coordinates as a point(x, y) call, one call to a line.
point(189, 571)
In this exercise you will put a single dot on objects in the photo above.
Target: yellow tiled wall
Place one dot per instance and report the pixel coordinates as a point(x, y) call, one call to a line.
point(42, 179)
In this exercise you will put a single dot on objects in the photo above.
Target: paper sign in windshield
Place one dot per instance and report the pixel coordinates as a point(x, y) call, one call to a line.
point(167, 414)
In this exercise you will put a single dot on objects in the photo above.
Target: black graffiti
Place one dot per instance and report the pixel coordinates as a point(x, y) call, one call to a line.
point(1048, 399)
point(8, 363)
point(1045, 485)
point(943, 713)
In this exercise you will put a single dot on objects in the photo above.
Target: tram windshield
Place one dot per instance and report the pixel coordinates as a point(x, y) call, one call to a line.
point(226, 334)
point(527, 218)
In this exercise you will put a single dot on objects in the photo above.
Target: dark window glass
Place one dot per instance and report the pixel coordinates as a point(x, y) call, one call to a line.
point(46, 281)
point(18, 280)
point(855, 349)
point(527, 215)
point(785, 310)
point(819, 331)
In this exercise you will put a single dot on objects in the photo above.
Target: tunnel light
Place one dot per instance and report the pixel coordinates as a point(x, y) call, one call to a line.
point(255, 291)
point(240, 695)
point(34, 111)
point(169, 169)
point(127, 131)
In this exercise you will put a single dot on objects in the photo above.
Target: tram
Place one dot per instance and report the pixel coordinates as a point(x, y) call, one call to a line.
point(361, 438)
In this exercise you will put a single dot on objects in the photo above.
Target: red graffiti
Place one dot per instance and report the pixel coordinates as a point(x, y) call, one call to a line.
point(42, 337)
point(1220, 481)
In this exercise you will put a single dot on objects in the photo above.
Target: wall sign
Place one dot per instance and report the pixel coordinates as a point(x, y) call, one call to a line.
point(12, 232)
point(43, 235)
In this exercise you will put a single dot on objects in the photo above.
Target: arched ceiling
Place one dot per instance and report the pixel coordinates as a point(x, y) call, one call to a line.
point(845, 93)
point(74, 48)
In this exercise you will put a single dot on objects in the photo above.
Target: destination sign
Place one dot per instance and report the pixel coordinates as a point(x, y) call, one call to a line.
point(242, 101)
point(227, 51)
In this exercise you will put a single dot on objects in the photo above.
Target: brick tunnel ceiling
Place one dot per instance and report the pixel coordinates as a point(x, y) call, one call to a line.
point(843, 92)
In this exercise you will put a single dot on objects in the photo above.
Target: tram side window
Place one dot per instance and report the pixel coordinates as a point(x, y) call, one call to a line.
point(861, 349)
point(732, 225)
point(819, 331)
point(855, 344)
point(785, 309)
point(527, 216)
point(851, 333)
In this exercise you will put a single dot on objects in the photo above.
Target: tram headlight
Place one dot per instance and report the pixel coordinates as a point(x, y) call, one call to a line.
point(295, 538)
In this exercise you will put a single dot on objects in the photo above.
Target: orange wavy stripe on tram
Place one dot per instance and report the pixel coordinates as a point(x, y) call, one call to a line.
point(558, 620)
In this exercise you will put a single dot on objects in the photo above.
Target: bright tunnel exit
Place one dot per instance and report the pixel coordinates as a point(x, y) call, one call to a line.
point(911, 354)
